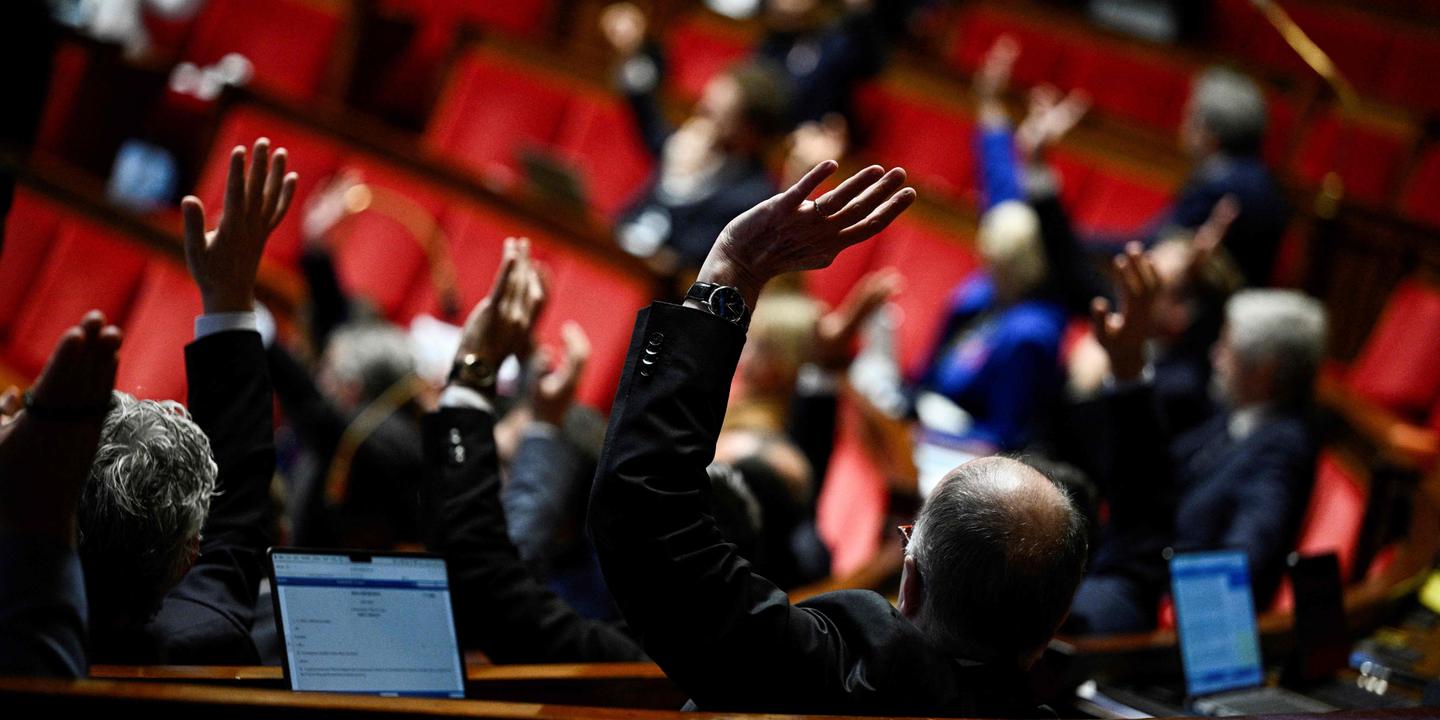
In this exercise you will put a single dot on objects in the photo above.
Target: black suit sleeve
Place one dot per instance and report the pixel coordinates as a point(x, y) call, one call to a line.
point(811, 426)
point(501, 609)
point(727, 636)
point(231, 400)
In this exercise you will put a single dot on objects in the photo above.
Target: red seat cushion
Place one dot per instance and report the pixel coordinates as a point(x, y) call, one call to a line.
point(289, 42)
point(30, 233)
point(160, 325)
point(378, 253)
point(1042, 49)
point(1333, 520)
point(1148, 89)
point(830, 285)
point(934, 142)
point(599, 137)
point(1397, 367)
point(1119, 202)
point(933, 262)
point(90, 268)
point(313, 157)
point(475, 236)
point(494, 107)
point(699, 49)
point(603, 301)
point(1368, 157)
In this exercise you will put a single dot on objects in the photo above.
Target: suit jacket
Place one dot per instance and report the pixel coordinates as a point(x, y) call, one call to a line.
point(42, 608)
point(729, 637)
point(500, 607)
point(206, 619)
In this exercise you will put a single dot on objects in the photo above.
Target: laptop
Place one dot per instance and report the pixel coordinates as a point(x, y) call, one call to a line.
point(1219, 641)
point(366, 622)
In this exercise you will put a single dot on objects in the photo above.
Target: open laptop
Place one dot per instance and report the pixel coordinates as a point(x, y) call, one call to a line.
point(366, 622)
point(1219, 641)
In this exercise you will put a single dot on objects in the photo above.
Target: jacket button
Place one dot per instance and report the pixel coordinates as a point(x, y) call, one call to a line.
point(656, 338)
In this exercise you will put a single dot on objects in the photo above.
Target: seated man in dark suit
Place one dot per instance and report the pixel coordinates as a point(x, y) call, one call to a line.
point(501, 608)
point(47, 442)
point(996, 552)
point(1239, 480)
point(175, 518)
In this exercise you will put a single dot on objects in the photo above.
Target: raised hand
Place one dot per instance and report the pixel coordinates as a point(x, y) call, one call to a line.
point(815, 142)
point(1124, 333)
point(1211, 234)
point(224, 261)
point(48, 441)
point(788, 233)
point(501, 323)
point(835, 333)
point(555, 391)
point(993, 77)
point(1050, 118)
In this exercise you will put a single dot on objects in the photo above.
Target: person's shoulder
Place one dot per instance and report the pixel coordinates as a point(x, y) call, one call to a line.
point(1036, 321)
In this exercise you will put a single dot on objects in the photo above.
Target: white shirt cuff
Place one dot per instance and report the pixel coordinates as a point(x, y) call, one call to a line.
point(207, 325)
point(459, 396)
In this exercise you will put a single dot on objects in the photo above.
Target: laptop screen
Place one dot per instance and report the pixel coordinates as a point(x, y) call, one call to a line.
point(1215, 617)
point(377, 624)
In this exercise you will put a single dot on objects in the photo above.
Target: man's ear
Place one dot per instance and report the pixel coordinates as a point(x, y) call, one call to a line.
point(912, 591)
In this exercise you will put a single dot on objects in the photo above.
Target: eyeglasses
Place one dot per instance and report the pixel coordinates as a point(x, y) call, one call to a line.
point(905, 532)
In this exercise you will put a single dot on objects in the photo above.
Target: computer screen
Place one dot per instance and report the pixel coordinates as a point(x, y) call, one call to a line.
point(1215, 616)
point(375, 624)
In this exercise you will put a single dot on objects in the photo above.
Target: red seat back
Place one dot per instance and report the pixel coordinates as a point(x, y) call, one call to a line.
point(289, 42)
point(699, 49)
point(603, 301)
point(934, 142)
point(1042, 49)
point(933, 262)
point(1409, 76)
point(1417, 199)
point(1333, 520)
point(30, 233)
point(1397, 366)
point(599, 137)
point(160, 325)
point(1368, 157)
point(1148, 89)
point(850, 511)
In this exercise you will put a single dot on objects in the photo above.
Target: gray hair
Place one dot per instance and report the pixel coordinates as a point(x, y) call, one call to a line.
point(1283, 327)
point(1000, 549)
point(144, 503)
point(373, 355)
point(1232, 107)
point(1009, 241)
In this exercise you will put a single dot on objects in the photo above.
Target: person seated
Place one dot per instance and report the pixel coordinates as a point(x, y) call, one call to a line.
point(709, 169)
point(994, 365)
point(174, 518)
point(47, 442)
point(993, 561)
point(501, 607)
point(1239, 480)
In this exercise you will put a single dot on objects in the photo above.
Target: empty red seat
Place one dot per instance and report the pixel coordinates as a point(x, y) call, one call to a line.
point(1368, 156)
point(160, 324)
point(1042, 49)
point(91, 267)
point(1148, 88)
point(313, 157)
point(1397, 366)
point(379, 253)
point(934, 142)
point(492, 109)
point(30, 233)
point(698, 49)
point(600, 139)
point(1422, 188)
point(475, 236)
point(603, 300)
point(289, 42)
point(933, 262)
point(830, 285)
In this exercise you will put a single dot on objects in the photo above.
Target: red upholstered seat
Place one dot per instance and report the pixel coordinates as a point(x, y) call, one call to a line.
point(698, 49)
point(831, 285)
point(1397, 367)
point(475, 236)
point(850, 511)
point(523, 18)
point(310, 155)
point(603, 301)
point(934, 142)
point(30, 233)
point(1120, 202)
point(289, 42)
point(1358, 42)
point(378, 254)
point(90, 268)
point(492, 108)
point(598, 136)
point(933, 262)
point(1042, 50)
point(161, 323)
point(1148, 89)
point(1422, 188)
point(1367, 156)
point(1409, 77)
point(1333, 520)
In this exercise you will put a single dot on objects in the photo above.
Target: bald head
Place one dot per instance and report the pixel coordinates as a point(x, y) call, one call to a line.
point(1000, 550)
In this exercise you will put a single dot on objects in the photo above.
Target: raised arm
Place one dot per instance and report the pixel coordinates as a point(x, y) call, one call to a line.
point(726, 636)
point(47, 443)
point(230, 399)
point(501, 608)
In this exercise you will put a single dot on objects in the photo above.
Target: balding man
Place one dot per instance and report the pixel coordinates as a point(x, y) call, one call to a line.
point(994, 559)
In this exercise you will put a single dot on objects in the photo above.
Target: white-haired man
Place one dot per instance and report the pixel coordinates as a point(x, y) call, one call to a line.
point(174, 517)
point(1240, 479)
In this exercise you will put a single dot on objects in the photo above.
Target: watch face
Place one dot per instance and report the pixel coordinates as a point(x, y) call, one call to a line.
point(727, 304)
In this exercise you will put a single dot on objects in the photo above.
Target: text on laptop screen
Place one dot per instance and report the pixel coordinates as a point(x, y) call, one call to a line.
point(378, 625)
point(1215, 616)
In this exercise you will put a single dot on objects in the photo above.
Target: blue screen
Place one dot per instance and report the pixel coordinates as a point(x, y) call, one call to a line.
point(378, 626)
point(1215, 616)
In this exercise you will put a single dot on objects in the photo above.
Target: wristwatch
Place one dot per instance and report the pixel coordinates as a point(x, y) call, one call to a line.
point(722, 301)
point(473, 372)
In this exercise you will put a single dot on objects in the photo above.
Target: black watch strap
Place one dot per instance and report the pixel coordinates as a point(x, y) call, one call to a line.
point(722, 301)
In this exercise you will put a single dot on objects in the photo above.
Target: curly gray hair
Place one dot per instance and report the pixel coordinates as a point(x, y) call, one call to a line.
point(143, 505)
